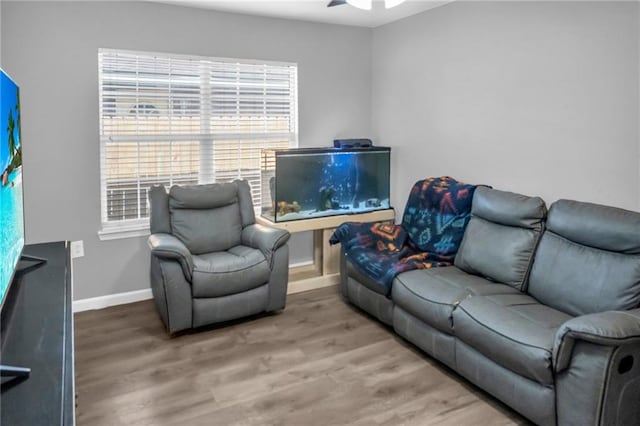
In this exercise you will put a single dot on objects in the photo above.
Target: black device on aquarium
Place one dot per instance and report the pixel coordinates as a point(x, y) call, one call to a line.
point(306, 183)
point(352, 143)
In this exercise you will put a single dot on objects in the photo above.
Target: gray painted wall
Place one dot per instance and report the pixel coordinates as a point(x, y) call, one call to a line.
point(51, 49)
point(539, 98)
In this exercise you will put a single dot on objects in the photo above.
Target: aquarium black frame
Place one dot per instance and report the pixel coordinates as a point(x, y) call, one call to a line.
point(320, 150)
point(323, 150)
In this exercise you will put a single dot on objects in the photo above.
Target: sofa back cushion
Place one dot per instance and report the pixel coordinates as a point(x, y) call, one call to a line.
point(436, 214)
point(501, 236)
point(588, 259)
point(206, 218)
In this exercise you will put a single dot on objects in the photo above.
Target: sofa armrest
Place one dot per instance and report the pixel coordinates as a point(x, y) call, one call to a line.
point(611, 328)
point(265, 238)
point(166, 246)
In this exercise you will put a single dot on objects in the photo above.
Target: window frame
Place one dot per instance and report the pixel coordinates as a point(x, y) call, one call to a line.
point(126, 228)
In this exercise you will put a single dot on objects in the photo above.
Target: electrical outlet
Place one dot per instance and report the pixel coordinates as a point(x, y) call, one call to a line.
point(77, 249)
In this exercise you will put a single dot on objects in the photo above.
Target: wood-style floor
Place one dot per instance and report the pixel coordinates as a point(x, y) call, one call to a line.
point(319, 362)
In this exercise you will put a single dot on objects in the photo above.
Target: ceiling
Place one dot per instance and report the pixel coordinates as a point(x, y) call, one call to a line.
point(316, 10)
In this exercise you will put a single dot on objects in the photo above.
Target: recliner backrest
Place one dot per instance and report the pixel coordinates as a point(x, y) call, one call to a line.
point(206, 218)
point(501, 236)
point(588, 259)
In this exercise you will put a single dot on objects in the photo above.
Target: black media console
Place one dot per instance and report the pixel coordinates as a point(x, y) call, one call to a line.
point(38, 334)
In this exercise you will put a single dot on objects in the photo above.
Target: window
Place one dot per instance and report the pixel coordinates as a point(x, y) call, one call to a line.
point(173, 119)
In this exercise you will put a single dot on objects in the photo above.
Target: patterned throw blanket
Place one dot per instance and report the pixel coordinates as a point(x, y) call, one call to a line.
point(433, 224)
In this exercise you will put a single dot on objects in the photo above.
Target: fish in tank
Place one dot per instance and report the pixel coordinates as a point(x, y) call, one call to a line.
point(306, 183)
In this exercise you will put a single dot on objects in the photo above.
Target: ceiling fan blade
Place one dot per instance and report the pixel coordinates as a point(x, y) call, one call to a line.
point(336, 3)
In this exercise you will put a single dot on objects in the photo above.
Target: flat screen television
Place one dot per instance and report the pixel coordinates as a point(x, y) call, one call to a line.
point(11, 208)
point(11, 202)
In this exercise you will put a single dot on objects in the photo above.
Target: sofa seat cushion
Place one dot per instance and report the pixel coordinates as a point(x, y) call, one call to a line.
point(513, 330)
point(432, 294)
point(238, 269)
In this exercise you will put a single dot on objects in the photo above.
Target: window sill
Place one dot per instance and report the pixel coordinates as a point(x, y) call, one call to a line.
point(121, 232)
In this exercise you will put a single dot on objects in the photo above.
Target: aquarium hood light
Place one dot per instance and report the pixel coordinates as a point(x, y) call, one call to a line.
point(365, 4)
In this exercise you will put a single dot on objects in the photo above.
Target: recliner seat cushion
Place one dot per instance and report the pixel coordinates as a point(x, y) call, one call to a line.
point(588, 259)
point(513, 330)
point(432, 294)
point(228, 272)
point(501, 236)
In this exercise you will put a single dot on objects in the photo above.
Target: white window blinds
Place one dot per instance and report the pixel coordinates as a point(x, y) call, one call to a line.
point(173, 119)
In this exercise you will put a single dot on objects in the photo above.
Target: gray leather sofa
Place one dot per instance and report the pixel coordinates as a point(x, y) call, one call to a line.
point(542, 311)
point(210, 261)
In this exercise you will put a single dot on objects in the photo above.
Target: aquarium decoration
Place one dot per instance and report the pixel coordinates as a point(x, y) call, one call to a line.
point(306, 183)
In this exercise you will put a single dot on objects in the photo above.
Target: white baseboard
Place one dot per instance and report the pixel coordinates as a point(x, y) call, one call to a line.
point(131, 296)
point(111, 300)
point(299, 264)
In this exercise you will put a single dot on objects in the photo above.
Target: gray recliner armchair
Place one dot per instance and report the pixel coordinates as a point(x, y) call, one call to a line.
point(210, 261)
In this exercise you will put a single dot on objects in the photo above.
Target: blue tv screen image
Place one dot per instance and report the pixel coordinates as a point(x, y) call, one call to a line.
point(11, 204)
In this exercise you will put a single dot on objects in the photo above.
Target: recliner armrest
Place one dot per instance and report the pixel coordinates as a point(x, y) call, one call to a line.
point(167, 246)
point(265, 238)
point(611, 328)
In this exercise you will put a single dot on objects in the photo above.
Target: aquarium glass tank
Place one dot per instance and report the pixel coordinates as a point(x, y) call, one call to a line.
point(306, 183)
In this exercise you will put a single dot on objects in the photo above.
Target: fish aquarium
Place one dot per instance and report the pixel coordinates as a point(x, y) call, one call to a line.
point(307, 183)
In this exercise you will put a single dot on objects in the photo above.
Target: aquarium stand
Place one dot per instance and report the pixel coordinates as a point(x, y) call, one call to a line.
point(325, 270)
